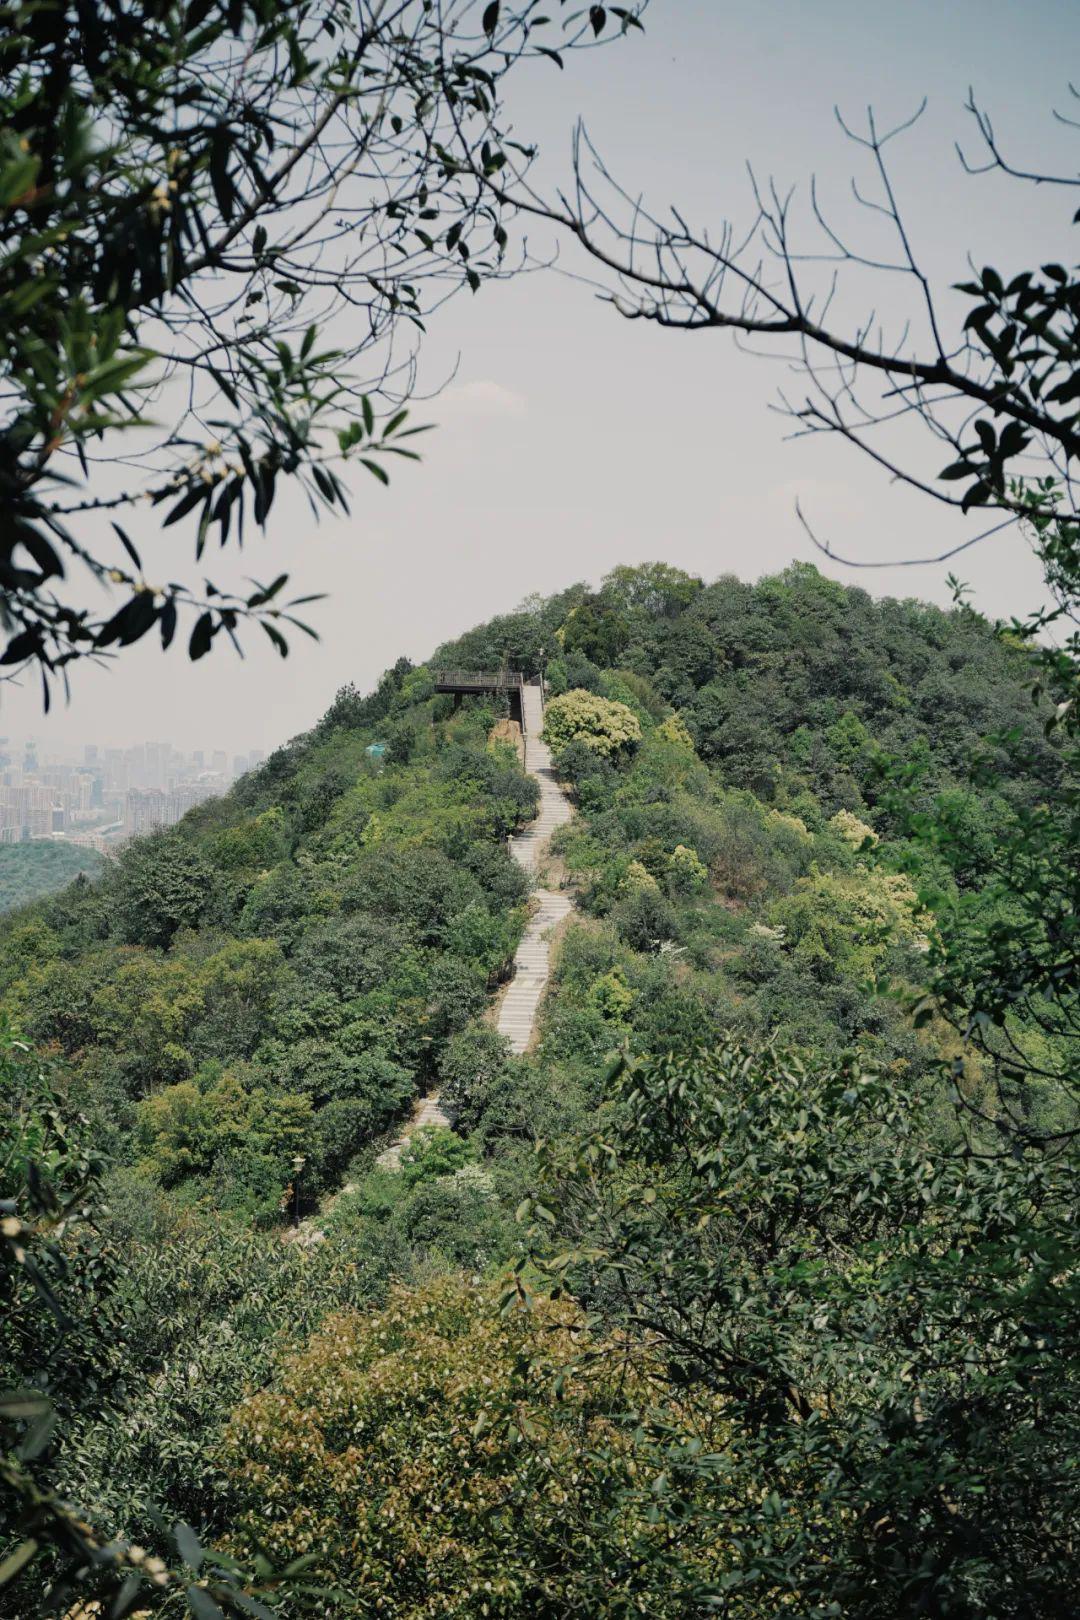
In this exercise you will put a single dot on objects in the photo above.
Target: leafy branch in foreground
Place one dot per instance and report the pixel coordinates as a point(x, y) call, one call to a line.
point(886, 1328)
point(190, 193)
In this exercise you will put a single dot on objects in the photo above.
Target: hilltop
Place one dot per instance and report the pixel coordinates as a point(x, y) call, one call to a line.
point(306, 949)
point(241, 1012)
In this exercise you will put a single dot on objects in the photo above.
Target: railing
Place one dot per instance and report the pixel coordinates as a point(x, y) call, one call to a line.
point(482, 679)
point(485, 680)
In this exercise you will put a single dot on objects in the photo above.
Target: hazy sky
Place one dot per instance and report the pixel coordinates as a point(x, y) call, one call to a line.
point(570, 440)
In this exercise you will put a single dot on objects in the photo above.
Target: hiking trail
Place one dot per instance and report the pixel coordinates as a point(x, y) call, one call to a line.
point(532, 959)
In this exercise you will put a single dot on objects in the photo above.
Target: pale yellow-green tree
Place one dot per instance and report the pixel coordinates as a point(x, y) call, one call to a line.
point(440, 1458)
point(602, 725)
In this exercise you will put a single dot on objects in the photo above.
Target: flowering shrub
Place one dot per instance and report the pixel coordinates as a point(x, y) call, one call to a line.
point(673, 730)
point(687, 873)
point(839, 923)
point(604, 726)
point(636, 878)
point(851, 829)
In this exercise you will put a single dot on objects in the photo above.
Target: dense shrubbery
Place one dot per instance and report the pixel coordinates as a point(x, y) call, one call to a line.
point(440, 1458)
point(883, 1326)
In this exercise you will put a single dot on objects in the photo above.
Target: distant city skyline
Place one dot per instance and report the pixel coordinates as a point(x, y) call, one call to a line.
point(71, 749)
point(99, 795)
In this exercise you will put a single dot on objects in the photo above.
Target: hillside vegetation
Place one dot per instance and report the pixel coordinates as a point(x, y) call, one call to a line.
point(29, 871)
point(733, 1295)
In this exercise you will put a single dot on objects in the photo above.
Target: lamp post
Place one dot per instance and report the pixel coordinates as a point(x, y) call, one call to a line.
point(298, 1164)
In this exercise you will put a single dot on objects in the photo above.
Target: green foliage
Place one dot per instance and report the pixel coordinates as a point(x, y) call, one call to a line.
point(686, 873)
point(280, 974)
point(215, 1123)
point(434, 1151)
point(644, 918)
point(255, 845)
point(791, 916)
point(445, 1210)
point(840, 1336)
point(847, 924)
point(72, 1355)
point(887, 1332)
point(441, 1457)
point(613, 997)
point(518, 640)
point(653, 590)
point(159, 886)
point(473, 1068)
point(600, 724)
point(41, 867)
point(56, 1270)
point(1004, 959)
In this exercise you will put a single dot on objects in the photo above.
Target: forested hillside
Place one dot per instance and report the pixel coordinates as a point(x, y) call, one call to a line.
point(281, 973)
point(28, 871)
point(724, 1298)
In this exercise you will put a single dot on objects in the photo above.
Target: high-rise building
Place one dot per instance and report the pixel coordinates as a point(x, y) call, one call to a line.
point(148, 808)
point(88, 786)
point(94, 791)
point(30, 806)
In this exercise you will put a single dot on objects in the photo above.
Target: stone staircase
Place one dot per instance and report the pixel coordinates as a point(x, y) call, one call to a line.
point(532, 960)
point(517, 1014)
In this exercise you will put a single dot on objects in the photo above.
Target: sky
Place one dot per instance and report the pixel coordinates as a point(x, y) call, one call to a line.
point(568, 440)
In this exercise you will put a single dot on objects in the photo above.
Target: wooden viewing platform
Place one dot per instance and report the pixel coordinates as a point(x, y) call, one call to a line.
point(461, 683)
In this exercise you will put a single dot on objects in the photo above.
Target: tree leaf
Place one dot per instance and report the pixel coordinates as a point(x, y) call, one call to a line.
point(126, 1598)
point(38, 1436)
point(202, 1604)
point(201, 636)
point(168, 623)
point(187, 1545)
point(276, 637)
point(186, 504)
point(128, 547)
point(17, 1560)
point(18, 1404)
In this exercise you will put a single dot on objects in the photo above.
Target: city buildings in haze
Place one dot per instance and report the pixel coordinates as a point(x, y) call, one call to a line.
point(100, 796)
